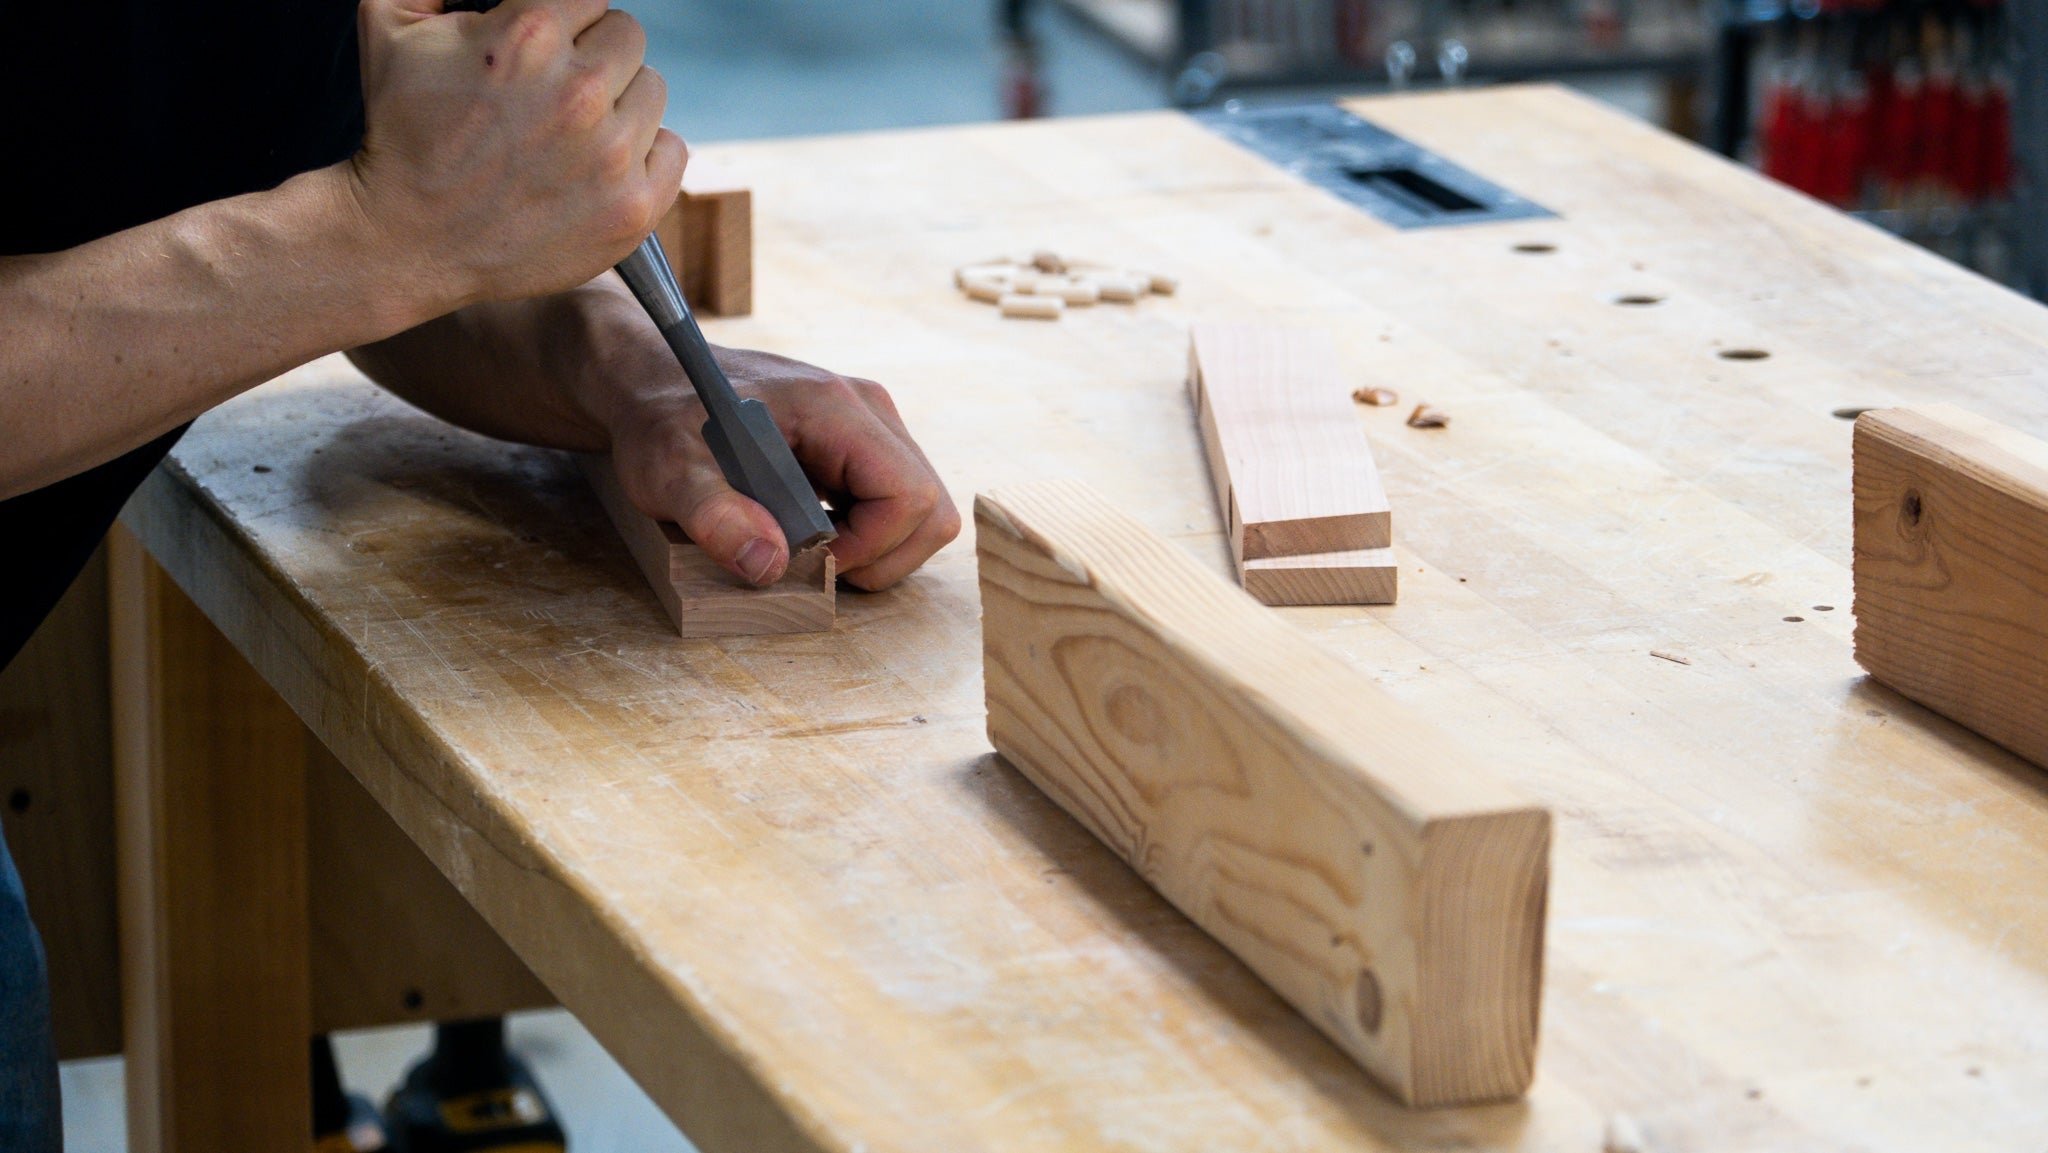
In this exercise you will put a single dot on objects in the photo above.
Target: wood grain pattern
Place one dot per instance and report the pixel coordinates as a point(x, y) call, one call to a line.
point(1382, 882)
point(1952, 568)
point(709, 237)
point(787, 884)
point(57, 803)
point(1291, 467)
point(210, 796)
point(699, 595)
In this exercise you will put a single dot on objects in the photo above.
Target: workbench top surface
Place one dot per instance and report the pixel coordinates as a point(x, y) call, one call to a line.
point(789, 886)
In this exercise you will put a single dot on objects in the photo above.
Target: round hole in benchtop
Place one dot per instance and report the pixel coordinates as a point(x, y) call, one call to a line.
point(1535, 247)
point(1639, 299)
point(1744, 354)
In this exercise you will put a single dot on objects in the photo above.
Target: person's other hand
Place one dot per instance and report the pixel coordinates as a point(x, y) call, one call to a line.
point(893, 511)
point(510, 153)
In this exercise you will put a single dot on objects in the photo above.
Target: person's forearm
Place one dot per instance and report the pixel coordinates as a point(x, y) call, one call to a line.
point(110, 344)
point(550, 371)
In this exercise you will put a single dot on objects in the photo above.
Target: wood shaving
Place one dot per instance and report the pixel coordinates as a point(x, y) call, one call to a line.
point(1674, 658)
point(1077, 283)
point(1020, 307)
point(1427, 417)
point(1376, 397)
point(1623, 1136)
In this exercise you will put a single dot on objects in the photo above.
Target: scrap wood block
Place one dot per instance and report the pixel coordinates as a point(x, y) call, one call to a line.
point(1361, 577)
point(1293, 472)
point(709, 237)
point(1951, 568)
point(700, 596)
point(1377, 877)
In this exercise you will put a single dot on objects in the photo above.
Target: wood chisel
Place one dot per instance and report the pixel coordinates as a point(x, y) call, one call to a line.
point(742, 434)
point(751, 451)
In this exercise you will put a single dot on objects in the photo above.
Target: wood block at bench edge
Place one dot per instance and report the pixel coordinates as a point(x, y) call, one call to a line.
point(1362, 577)
point(1294, 474)
point(1951, 568)
point(709, 237)
point(1381, 881)
point(699, 596)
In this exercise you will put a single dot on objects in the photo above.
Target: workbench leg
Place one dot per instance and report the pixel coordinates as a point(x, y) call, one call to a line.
point(210, 771)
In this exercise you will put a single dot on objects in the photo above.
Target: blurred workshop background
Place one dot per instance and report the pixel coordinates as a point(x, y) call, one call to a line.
point(1921, 116)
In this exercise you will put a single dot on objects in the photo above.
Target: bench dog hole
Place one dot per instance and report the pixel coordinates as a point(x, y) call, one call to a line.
point(1744, 354)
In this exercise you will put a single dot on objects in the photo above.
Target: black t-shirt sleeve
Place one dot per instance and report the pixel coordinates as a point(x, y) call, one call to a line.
point(53, 531)
point(184, 102)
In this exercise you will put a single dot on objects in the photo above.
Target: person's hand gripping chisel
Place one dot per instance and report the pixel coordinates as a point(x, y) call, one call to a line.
point(556, 89)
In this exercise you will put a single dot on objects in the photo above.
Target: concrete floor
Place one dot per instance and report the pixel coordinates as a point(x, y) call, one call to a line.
point(740, 69)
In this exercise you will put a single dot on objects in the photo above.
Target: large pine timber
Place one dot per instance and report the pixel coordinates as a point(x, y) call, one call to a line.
point(1374, 875)
point(1952, 568)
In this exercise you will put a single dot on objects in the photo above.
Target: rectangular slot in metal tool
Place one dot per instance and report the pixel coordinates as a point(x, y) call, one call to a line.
point(1396, 180)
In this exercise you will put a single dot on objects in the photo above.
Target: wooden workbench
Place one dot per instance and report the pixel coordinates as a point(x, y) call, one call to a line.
point(787, 884)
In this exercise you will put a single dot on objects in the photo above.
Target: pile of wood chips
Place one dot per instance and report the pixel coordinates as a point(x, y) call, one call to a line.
point(1046, 285)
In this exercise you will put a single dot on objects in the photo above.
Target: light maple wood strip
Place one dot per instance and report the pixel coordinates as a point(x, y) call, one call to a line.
point(1951, 568)
point(699, 595)
point(1361, 577)
point(1292, 470)
point(1380, 880)
point(210, 800)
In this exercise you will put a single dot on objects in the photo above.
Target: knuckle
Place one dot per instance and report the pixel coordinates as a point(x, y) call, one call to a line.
point(838, 391)
point(584, 100)
point(535, 24)
point(630, 25)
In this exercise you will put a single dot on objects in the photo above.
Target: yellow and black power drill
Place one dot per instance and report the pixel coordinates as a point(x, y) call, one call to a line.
point(471, 1095)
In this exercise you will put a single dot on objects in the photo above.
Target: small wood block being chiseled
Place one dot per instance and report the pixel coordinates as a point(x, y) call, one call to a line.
point(1294, 476)
point(700, 596)
point(709, 237)
point(1951, 568)
point(1386, 884)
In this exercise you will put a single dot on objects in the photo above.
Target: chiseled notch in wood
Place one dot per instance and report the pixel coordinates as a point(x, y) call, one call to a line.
point(1388, 886)
point(1293, 472)
point(709, 237)
point(701, 597)
point(1951, 568)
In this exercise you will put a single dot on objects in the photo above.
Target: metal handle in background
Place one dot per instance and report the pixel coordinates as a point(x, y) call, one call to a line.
point(743, 437)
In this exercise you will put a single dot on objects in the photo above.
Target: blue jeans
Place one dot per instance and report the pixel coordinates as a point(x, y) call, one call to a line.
point(31, 1118)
